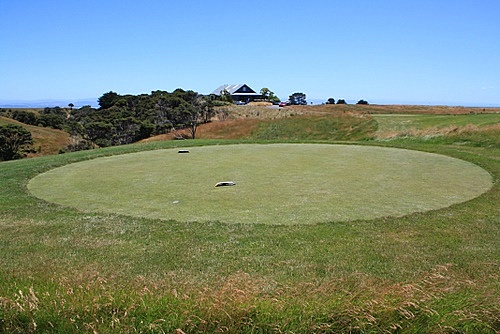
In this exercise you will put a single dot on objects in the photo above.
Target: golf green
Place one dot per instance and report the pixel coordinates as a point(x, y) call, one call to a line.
point(274, 183)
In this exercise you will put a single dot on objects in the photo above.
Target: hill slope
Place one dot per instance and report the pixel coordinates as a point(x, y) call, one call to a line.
point(46, 141)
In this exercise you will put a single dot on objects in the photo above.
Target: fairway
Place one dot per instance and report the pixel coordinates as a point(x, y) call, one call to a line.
point(275, 183)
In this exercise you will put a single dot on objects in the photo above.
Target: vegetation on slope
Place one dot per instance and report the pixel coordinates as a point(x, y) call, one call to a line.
point(46, 141)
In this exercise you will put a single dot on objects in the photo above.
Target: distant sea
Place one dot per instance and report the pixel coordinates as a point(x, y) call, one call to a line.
point(48, 103)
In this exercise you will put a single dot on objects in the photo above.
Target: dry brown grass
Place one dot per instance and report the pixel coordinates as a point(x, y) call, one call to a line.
point(266, 112)
point(262, 104)
point(438, 131)
point(233, 302)
point(229, 129)
point(417, 109)
point(404, 109)
point(260, 112)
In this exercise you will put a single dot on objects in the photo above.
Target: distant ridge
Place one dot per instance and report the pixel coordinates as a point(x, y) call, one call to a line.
point(78, 103)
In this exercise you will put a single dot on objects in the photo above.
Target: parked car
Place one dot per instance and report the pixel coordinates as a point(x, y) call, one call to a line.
point(283, 104)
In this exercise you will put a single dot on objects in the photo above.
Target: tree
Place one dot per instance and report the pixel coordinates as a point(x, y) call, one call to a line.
point(330, 101)
point(265, 92)
point(26, 117)
point(99, 133)
point(298, 99)
point(108, 99)
point(123, 119)
point(52, 120)
point(71, 105)
point(341, 101)
point(15, 142)
point(199, 111)
point(362, 102)
point(268, 95)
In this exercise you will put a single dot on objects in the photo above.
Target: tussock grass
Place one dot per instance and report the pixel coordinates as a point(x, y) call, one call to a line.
point(400, 109)
point(242, 303)
point(474, 130)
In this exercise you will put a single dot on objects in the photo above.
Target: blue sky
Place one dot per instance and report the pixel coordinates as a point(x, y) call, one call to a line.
point(385, 51)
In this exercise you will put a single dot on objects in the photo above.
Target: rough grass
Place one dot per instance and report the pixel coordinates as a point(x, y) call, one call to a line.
point(393, 125)
point(399, 109)
point(314, 127)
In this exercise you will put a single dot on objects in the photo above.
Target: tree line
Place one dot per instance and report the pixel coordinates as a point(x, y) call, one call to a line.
point(342, 101)
point(124, 119)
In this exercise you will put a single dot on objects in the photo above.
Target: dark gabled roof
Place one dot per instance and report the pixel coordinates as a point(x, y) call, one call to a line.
point(235, 90)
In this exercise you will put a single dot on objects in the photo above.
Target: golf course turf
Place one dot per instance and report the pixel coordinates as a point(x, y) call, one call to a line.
point(275, 183)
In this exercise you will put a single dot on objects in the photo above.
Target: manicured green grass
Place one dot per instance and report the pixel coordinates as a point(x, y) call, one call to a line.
point(327, 126)
point(282, 184)
point(64, 270)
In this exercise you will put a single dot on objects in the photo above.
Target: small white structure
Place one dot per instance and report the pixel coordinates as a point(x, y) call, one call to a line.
point(225, 184)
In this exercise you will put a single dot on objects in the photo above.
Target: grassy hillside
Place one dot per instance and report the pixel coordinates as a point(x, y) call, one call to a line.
point(67, 271)
point(354, 122)
point(46, 141)
point(399, 109)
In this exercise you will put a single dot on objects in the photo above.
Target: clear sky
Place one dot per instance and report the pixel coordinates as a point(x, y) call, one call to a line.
point(383, 51)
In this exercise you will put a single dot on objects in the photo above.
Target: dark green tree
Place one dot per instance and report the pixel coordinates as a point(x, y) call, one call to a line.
point(362, 102)
point(26, 117)
point(330, 101)
point(99, 133)
point(341, 101)
point(54, 121)
point(107, 100)
point(15, 142)
point(190, 115)
point(123, 119)
point(298, 99)
point(54, 111)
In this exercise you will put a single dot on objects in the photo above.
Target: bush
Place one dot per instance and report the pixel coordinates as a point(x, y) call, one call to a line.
point(77, 145)
point(25, 117)
point(15, 142)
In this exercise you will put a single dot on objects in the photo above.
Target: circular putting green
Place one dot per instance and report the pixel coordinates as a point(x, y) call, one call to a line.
point(274, 183)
